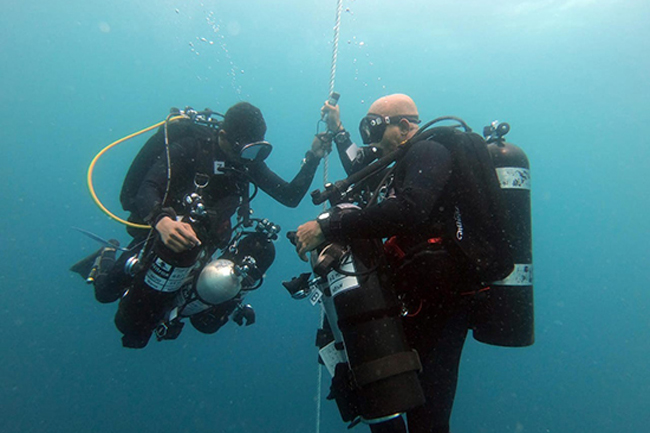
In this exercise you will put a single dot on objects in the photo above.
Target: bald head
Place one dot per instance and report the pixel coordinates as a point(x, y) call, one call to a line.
point(397, 104)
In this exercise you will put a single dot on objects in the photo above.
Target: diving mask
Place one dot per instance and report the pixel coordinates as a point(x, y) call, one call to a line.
point(256, 151)
point(373, 126)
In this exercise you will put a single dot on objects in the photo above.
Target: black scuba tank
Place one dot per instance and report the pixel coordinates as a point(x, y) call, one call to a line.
point(154, 286)
point(504, 315)
point(382, 368)
point(169, 269)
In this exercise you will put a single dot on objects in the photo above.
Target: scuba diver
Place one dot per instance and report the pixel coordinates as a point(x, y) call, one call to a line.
point(434, 196)
point(186, 183)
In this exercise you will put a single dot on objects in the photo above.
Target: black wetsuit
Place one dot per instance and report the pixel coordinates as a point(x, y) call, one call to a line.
point(419, 213)
point(195, 159)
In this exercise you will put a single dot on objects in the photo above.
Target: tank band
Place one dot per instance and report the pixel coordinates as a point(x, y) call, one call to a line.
point(514, 177)
point(521, 275)
point(388, 366)
point(382, 419)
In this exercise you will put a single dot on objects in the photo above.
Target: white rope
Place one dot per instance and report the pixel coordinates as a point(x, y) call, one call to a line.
point(320, 379)
point(335, 53)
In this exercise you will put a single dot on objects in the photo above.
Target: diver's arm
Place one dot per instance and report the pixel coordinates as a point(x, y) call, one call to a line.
point(353, 158)
point(427, 170)
point(290, 193)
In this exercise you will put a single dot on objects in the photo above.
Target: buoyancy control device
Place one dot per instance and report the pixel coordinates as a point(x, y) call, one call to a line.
point(492, 226)
point(191, 125)
point(477, 226)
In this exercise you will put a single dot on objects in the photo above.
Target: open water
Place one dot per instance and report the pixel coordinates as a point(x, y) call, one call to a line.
point(570, 76)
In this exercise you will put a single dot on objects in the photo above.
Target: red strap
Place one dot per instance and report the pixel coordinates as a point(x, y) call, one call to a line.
point(474, 292)
point(391, 247)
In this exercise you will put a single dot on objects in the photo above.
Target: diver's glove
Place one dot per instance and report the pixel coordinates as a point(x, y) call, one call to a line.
point(244, 312)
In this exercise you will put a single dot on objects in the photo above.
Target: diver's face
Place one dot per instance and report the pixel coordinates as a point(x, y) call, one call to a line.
point(391, 139)
point(256, 151)
point(376, 130)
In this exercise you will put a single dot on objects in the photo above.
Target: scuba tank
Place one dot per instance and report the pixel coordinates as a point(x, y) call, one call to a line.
point(375, 376)
point(504, 315)
point(158, 274)
point(169, 269)
point(241, 267)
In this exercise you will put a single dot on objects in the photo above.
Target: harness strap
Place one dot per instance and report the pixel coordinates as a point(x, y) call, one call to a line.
point(393, 248)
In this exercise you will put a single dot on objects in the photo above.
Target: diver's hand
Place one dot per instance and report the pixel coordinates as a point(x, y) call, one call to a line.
point(333, 113)
point(308, 237)
point(177, 235)
point(322, 145)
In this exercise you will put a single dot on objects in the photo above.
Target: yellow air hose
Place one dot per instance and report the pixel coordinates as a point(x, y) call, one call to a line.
point(91, 168)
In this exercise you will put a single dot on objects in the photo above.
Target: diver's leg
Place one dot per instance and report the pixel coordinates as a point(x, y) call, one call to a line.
point(439, 375)
point(112, 281)
point(89, 267)
point(139, 312)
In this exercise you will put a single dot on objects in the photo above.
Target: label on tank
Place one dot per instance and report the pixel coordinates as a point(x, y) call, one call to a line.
point(164, 277)
point(331, 356)
point(514, 177)
point(340, 283)
point(522, 276)
point(315, 296)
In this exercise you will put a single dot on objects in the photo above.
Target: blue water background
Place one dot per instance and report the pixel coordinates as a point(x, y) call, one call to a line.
point(570, 76)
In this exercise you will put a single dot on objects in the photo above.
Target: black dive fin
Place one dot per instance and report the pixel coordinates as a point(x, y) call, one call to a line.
point(88, 268)
point(85, 265)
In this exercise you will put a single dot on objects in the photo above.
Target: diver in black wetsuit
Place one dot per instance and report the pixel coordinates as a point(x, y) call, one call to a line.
point(434, 279)
point(218, 165)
